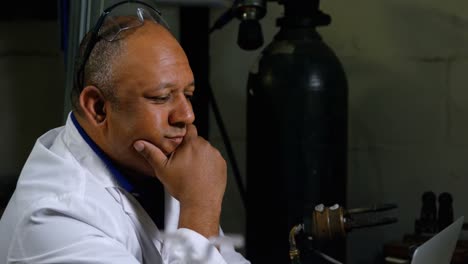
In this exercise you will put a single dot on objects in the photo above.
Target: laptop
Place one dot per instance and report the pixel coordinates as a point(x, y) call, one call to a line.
point(439, 249)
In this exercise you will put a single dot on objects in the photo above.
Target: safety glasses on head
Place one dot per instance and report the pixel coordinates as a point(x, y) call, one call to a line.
point(110, 26)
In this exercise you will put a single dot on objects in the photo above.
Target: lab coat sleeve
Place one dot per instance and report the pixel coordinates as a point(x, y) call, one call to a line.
point(226, 247)
point(180, 238)
point(231, 256)
point(187, 246)
point(55, 232)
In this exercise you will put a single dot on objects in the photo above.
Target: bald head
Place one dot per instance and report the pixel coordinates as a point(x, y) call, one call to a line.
point(151, 42)
point(154, 34)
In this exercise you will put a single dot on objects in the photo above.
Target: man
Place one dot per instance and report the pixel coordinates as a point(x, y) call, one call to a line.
point(89, 190)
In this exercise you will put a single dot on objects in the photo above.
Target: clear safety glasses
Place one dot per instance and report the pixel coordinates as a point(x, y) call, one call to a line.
point(113, 21)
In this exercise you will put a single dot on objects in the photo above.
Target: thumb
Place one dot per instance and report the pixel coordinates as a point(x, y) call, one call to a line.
point(153, 155)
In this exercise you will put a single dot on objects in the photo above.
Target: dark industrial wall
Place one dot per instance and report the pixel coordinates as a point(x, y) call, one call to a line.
point(31, 84)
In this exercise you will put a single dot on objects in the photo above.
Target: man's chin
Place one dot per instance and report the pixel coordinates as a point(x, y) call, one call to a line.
point(168, 151)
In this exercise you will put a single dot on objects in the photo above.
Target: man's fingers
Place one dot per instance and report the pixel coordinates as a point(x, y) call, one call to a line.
point(151, 153)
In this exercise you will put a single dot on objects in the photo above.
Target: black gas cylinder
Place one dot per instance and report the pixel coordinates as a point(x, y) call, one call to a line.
point(296, 134)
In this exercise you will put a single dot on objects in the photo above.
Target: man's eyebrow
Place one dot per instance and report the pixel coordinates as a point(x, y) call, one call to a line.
point(192, 84)
point(170, 85)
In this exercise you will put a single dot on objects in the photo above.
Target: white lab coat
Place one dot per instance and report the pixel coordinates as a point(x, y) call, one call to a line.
point(68, 208)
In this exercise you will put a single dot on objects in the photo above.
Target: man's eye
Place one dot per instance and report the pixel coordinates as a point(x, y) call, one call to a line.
point(160, 99)
point(189, 97)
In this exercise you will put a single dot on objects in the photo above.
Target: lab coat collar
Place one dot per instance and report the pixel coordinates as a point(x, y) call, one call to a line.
point(124, 183)
point(86, 156)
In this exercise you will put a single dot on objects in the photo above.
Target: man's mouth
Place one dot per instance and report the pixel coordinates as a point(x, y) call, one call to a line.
point(176, 139)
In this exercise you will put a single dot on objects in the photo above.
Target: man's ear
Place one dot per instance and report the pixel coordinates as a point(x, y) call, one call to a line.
point(92, 102)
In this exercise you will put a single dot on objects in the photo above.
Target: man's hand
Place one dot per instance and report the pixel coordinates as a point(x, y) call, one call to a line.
point(195, 174)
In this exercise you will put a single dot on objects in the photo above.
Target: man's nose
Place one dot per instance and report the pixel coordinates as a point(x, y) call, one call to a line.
point(182, 114)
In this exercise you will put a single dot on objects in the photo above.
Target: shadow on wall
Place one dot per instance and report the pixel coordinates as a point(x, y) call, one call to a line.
point(397, 132)
point(439, 31)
